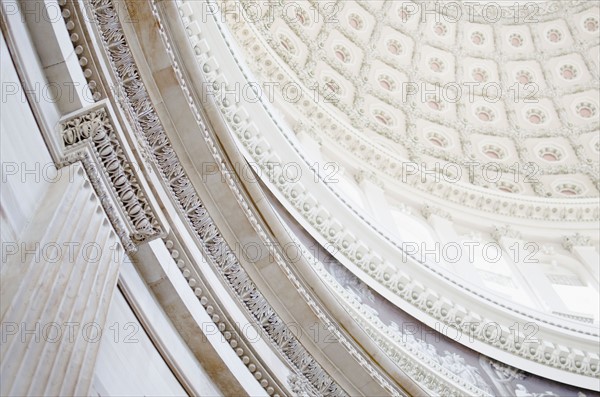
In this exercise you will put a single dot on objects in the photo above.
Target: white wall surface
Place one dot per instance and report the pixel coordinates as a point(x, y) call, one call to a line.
point(128, 363)
point(26, 167)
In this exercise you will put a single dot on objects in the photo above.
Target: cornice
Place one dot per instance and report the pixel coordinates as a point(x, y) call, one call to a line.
point(438, 373)
point(260, 228)
point(191, 207)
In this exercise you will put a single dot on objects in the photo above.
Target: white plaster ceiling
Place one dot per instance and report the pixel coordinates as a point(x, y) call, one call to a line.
point(488, 89)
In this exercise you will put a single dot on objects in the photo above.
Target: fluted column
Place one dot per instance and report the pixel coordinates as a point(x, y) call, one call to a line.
point(57, 283)
point(583, 250)
point(311, 146)
point(524, 265)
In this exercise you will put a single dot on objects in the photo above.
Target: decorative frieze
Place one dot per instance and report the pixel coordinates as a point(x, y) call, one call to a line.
point(300, 387)
point(190, 204)
point(234, 336)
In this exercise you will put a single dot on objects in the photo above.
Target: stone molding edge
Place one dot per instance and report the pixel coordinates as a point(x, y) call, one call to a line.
point(470, 196)
point(78, 36)
point(214, 309)
point(90, 136)
point(418, 296)
point(181, 190)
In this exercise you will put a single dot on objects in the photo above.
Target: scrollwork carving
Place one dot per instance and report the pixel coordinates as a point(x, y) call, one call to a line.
point(94, 128)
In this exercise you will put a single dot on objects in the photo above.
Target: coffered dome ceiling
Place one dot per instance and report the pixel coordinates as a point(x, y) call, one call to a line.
point(485, 95)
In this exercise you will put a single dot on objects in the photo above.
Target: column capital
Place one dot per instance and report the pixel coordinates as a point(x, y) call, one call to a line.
point(92, 137)
point(365, 175)
point(576, 240)
point(427, 211)
point(505, 231)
